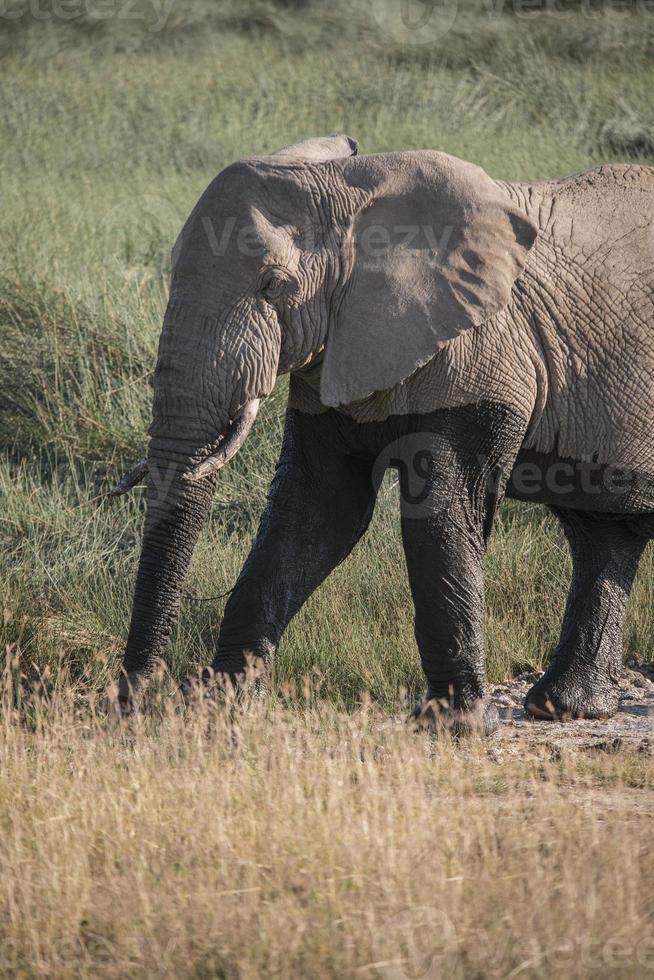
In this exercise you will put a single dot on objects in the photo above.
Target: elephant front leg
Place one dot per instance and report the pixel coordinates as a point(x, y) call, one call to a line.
point(445, 527)
point(320, 503)
point(444, 557)
point(581, 681)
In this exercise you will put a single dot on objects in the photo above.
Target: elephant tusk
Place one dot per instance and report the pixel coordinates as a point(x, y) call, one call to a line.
point(131, 478)
point(232, 440)
point(234, 437)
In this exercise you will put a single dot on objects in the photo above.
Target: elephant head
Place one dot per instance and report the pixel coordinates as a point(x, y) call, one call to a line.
point(373, 262)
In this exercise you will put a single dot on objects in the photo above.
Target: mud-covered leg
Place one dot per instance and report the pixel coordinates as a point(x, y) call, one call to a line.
point(581, 681)
point(445, 530)
point(320, 503)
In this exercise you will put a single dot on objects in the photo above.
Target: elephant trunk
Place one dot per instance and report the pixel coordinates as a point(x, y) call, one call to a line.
point(174, 519)
point(188, 446)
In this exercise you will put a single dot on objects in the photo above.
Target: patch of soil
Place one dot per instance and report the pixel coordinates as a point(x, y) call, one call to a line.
point(631, 729)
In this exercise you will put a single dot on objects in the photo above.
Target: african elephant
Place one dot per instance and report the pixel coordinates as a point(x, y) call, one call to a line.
point(484, 337)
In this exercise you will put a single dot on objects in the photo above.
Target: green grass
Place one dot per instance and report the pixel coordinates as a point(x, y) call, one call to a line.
point(109, 132)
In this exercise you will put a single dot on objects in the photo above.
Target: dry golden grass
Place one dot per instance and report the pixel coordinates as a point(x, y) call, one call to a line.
point(286, 842)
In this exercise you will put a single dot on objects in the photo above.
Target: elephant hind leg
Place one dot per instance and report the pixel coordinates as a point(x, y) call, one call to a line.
point(581, 681)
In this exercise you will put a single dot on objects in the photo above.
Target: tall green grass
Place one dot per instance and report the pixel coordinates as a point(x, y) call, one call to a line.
point(109, 132)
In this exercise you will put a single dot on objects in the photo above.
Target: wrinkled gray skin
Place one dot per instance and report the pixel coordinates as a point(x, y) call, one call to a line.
point(481, 337)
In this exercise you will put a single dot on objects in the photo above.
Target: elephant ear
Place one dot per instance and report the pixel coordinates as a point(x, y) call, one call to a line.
point(433, 250)
point(319, 149)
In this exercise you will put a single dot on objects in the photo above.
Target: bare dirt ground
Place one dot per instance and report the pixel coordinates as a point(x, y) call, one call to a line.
point(631, 730)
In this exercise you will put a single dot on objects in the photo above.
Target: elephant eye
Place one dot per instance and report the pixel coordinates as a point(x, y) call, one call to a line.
point(273, 284)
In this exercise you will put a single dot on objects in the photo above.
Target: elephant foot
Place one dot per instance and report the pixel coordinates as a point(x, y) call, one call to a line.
point(223, 688)
point(559, 697)
point(208, 687)
point(437, 716)
point(130, 692)
point(198, 685)
point(124, 701)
